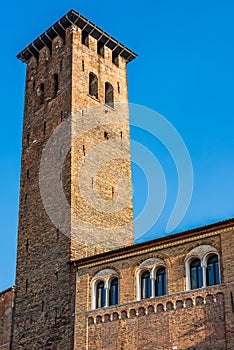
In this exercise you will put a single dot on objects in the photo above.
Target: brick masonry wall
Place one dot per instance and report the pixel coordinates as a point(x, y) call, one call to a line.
point(92, 228)
point(185, 321)
point(45, 281)
point(6, 307)
point(208, 325)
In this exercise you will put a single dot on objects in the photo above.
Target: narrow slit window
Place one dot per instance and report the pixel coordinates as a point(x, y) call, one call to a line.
point(28, 139)
point(55, 85)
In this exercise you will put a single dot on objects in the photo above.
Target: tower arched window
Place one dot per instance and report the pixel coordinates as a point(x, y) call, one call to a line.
point(196, 274)
point(41, 93)
point(114, 291)
point(93, 85)
point(55, 85)
point(109, 95)
point(212, 271)
point(100, 294)
point(160, 282)
point(145, 285)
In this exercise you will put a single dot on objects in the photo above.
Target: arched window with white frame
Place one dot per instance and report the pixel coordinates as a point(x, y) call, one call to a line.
point(105, 288)
point(202, 267)
point(151, 279)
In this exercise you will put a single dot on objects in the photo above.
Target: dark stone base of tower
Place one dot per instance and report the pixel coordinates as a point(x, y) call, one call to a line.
point(80, 288)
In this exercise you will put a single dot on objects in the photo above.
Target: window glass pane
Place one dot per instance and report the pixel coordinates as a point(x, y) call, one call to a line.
point(114, 292)
point(217, 277)
point(196, 274)
point(145, 285)
point(212, 274)
point(161, 282)
point(101, 295)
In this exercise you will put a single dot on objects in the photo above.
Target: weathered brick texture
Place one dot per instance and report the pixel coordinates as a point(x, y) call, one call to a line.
point(45, 281)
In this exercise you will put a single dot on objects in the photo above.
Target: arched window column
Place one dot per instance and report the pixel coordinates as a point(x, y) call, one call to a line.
point(107, 293)
point(153, 280)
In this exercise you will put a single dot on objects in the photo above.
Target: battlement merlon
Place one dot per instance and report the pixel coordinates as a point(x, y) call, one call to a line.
point(59, 28)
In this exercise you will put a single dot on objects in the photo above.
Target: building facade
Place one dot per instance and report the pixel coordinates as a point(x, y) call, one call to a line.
point(171, 293)
point(79, 284)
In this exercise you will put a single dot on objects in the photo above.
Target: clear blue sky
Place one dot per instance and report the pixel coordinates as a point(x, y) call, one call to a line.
point(185, 71)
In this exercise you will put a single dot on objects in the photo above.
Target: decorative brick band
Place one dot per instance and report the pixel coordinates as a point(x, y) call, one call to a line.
point(159, 247)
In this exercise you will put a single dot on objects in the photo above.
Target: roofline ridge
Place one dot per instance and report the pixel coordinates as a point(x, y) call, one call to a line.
point(33, 48)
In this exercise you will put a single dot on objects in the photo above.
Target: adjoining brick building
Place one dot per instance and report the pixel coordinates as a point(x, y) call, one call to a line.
point(79, 286)
point(7, 298)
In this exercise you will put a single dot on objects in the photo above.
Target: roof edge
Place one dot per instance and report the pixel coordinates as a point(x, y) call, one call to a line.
point(8, 290)
point(160, 240)
point(74, 18)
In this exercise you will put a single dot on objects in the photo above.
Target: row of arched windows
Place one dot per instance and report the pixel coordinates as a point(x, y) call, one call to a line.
point(41, 89)
point(201, 265)
point(93, 90)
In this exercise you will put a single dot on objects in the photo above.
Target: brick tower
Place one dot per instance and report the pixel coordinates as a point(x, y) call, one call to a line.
point(75, 103)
